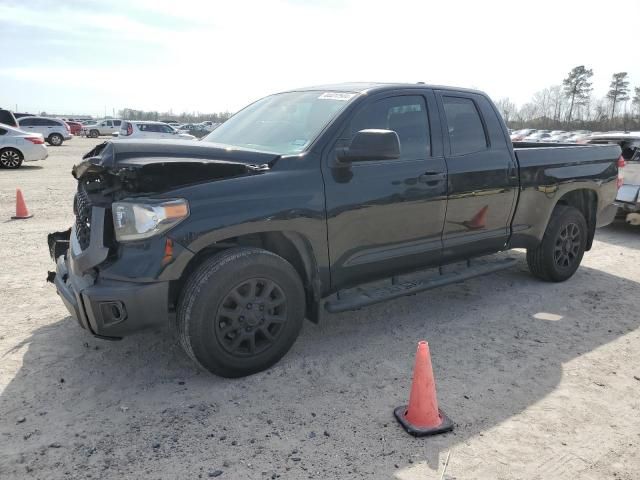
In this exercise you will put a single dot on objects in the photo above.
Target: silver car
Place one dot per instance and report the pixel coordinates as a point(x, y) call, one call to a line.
point(17, 146)
point(104, 127)
point(54, 131)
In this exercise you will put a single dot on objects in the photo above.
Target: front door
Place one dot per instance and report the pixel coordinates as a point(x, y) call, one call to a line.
point(386, 216)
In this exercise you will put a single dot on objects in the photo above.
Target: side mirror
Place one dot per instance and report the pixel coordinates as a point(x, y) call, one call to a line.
point(370, 144)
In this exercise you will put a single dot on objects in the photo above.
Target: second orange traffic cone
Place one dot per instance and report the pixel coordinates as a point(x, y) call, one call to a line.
point(21, 207)
point(422, 416)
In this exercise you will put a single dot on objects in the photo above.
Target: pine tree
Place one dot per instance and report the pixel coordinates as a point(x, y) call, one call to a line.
point(577, 87)
point(618, 90)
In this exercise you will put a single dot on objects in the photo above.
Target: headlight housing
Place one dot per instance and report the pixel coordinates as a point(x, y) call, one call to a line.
point(140, 219)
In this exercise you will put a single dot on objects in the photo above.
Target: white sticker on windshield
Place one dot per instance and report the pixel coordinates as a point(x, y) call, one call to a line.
point(342, 96)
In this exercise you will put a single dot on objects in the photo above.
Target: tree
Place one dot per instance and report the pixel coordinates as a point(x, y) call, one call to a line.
point(577, 87)
point(507, 108)
point(636, 100)
point(618, 90)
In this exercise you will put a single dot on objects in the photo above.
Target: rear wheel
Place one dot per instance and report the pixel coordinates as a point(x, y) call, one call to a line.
point(55, 139)
point(10, 158)
point(559, 254)
point(240, 311)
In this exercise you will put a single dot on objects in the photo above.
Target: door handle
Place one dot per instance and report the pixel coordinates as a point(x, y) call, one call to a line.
point(429, 177)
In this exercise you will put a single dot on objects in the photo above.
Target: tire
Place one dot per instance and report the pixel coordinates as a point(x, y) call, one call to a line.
point(55, 139)
point(11, 158)
point(94, 133)
point(216, 327)
point(559, 254)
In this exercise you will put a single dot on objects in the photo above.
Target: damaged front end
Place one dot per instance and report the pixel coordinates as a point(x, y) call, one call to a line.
point(119, 183)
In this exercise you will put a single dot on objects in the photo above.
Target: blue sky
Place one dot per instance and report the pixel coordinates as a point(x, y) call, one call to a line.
point(64, 56)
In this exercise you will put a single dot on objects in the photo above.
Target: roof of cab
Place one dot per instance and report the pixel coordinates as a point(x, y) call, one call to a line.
point(374, 87)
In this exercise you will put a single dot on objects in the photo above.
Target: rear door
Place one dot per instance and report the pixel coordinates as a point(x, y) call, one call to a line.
point(386, 216)
point(483, 176)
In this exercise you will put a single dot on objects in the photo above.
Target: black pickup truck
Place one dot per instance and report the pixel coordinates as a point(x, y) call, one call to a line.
point(305, 202)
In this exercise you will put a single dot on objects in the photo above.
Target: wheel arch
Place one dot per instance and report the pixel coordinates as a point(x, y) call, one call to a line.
point(290, 245)
point(586, 201)
point(11, 147)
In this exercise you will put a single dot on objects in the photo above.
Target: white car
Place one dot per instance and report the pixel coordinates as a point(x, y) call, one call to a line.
point(147, 129)
point(17, 146)
point(104, 127)
point(54, 131)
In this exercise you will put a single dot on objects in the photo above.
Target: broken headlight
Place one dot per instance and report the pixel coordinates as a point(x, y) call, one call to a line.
point(144, 219)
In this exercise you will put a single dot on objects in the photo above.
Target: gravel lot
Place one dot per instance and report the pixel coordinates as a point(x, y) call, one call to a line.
point(542, 380)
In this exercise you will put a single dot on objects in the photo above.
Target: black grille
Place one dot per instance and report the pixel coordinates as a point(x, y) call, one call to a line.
point(82, 209)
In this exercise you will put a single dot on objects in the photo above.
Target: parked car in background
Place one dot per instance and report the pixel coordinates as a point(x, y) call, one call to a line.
point(210, 125)
point(17, 146)
point(54, 131)
point(75, 127)
point(149, 129)
point(8, 118)
point(558, 137)
point(104, 127)
point(578, 137)
point(518, 135)
point(538, 136)
point(196, 129)
point(628, 197)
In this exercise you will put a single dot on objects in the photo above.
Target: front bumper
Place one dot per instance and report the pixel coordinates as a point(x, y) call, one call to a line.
point(111, 308)
point(106, 307)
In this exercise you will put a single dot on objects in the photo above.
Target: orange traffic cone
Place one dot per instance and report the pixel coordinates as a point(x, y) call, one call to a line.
point(21, 207)
point(422, 416)
point(479, 220)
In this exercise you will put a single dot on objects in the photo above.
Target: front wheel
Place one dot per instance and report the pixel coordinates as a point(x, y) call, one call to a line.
point(94, 133)
point(559, 254)
point(240, 311)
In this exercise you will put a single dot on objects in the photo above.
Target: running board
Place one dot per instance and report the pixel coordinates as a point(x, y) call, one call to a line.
point(362, 297)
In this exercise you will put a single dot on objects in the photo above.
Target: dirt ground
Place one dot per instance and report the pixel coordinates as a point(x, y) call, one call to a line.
point(542, 380)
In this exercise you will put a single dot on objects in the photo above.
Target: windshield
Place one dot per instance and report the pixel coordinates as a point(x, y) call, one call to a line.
point(285, 123)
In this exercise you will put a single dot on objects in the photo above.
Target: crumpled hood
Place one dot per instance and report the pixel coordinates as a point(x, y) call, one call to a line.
point(112, 156)
point(156, 166)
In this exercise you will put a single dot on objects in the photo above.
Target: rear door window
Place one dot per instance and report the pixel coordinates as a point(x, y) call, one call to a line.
point(466, 131)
